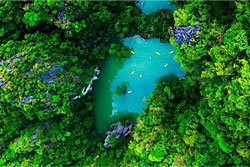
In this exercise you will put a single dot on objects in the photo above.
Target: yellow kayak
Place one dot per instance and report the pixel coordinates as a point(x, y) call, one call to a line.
point(157, 53)
point(132, 72)
point(140, 75)
point(130, 91)
point(171, 52)
point(132, 52)
point(166, 65)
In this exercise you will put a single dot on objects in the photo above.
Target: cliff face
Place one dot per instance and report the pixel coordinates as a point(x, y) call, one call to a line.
point(119, 131)
point(49, 77)
point(186, 34)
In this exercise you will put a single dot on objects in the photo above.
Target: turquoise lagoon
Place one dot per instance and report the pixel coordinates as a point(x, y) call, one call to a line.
point(145, 62)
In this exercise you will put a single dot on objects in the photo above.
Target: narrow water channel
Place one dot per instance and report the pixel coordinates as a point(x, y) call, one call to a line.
point(151, 61)
point(149, 6)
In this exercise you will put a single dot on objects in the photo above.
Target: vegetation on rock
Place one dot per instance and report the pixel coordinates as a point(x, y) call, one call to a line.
point(200, 120)
point(121, 90)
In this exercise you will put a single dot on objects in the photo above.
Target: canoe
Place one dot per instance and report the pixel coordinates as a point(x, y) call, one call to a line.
point(166, 65)
point(132, 52)
point(132, 72)
point(171, 52)
point(157, 53)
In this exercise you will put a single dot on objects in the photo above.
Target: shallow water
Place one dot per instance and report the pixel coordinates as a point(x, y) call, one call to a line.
point(144, 62)
point(114, 73)
point(151, 70)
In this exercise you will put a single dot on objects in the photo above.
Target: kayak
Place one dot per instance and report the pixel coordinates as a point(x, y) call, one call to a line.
point(140, 75)
point(130, 91)
point(132, 72)
point(166, 65)
point(157, 53)
point(132, 52)
point(171, 52)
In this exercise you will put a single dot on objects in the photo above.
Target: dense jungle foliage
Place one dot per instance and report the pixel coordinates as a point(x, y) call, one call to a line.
point(201, 120)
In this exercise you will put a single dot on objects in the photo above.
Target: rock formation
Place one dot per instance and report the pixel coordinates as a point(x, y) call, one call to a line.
point(185, 34)
point(119, 131)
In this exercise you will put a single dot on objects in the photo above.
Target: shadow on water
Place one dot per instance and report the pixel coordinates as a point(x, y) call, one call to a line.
point(124, 117)
point(168, 78)
point(103, 94)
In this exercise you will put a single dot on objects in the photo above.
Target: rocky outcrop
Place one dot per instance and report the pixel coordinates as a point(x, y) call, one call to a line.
point(7, 64)
point(61, 11)
point(49, 76)
point(85, 90)
point(119, 131)
point(185, 34)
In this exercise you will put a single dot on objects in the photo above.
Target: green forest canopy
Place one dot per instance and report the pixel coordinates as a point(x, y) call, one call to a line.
point(202, 120)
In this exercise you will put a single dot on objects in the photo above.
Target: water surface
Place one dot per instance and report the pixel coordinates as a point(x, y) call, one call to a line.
point(149, 6)
point(144, 62)
point(147, 63)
